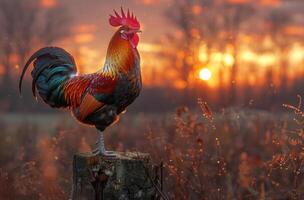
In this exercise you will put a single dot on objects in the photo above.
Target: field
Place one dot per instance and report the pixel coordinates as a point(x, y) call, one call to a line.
point(234, 154)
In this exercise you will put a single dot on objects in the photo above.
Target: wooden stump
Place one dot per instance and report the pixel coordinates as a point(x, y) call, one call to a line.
point(127, 176)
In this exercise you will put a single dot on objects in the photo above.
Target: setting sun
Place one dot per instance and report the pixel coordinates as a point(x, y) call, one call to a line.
point(205, 74)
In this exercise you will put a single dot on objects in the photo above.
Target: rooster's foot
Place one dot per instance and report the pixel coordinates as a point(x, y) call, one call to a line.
point(100, 152)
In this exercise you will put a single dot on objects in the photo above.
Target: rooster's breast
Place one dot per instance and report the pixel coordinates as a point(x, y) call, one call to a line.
point(128, 87)
point(127, 90)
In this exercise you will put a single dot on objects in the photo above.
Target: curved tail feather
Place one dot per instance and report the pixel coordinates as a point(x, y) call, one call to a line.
point(53, 66)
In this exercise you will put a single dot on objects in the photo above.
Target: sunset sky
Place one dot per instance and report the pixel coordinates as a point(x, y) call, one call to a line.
point(91, 33)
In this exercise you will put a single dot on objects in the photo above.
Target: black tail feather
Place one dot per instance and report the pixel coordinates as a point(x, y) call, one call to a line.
point(50, 51)
point(40, 70)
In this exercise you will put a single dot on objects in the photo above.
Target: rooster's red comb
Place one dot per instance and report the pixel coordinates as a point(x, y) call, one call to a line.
point(124, 20)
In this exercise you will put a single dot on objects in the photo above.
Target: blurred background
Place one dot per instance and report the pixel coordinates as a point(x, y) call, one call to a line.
point(219, 77)
point(228, 52)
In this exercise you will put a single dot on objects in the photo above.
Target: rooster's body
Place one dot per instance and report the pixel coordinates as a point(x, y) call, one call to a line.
point(95, 99)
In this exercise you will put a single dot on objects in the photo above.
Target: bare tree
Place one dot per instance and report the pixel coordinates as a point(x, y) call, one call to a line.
point(211, 23)
point(16, 23)
point(55, 25)
point(278, 19)
point(25, 25)
point(233, 17)
point(183, 18)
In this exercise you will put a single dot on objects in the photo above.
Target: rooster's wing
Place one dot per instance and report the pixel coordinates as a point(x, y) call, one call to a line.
point(88, 93)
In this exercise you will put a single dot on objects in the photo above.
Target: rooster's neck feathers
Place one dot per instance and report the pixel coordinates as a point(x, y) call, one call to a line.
point(121, 57)
point(110, 69)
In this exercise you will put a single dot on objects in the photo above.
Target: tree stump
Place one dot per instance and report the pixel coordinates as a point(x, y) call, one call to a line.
point(126, 176)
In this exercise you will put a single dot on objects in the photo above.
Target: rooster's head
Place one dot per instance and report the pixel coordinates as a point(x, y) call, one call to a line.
point(129, 26)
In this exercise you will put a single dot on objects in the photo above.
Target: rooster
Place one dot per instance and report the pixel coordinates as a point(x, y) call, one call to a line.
point(98, 98)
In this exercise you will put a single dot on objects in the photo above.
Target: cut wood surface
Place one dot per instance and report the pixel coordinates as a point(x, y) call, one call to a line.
point(126, 176)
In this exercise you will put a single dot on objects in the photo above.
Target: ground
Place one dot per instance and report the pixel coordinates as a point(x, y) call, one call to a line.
point(242, 154)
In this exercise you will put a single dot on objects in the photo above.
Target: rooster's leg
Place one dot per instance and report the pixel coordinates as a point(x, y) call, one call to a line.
point(101, 150)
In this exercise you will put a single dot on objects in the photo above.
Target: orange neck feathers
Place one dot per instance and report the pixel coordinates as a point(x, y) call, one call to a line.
point(120, 56)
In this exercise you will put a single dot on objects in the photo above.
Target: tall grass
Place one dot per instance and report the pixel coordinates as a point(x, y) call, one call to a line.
point(235, 154)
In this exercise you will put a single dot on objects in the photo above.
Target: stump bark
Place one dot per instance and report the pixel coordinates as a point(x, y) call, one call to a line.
point(126, 176)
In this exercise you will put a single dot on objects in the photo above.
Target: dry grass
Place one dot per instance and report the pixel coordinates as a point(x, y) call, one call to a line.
point(231, 155)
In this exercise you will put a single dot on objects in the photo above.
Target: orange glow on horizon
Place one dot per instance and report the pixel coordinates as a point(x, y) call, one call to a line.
point(296, 54)
point(228, 59)
point(270, 2)
point(84, 28)
point(148, 47)
point(2, 70)
point(294, 30)
point(48, 3)
point(202, 55)
point(196, 9)
point(84, 38)
point(148, 2)
point(266, 60)
point(238, 1)
point(179, 84)
point(158, 59)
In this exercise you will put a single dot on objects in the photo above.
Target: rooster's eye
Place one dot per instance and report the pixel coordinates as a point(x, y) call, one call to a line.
point(122, 31)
